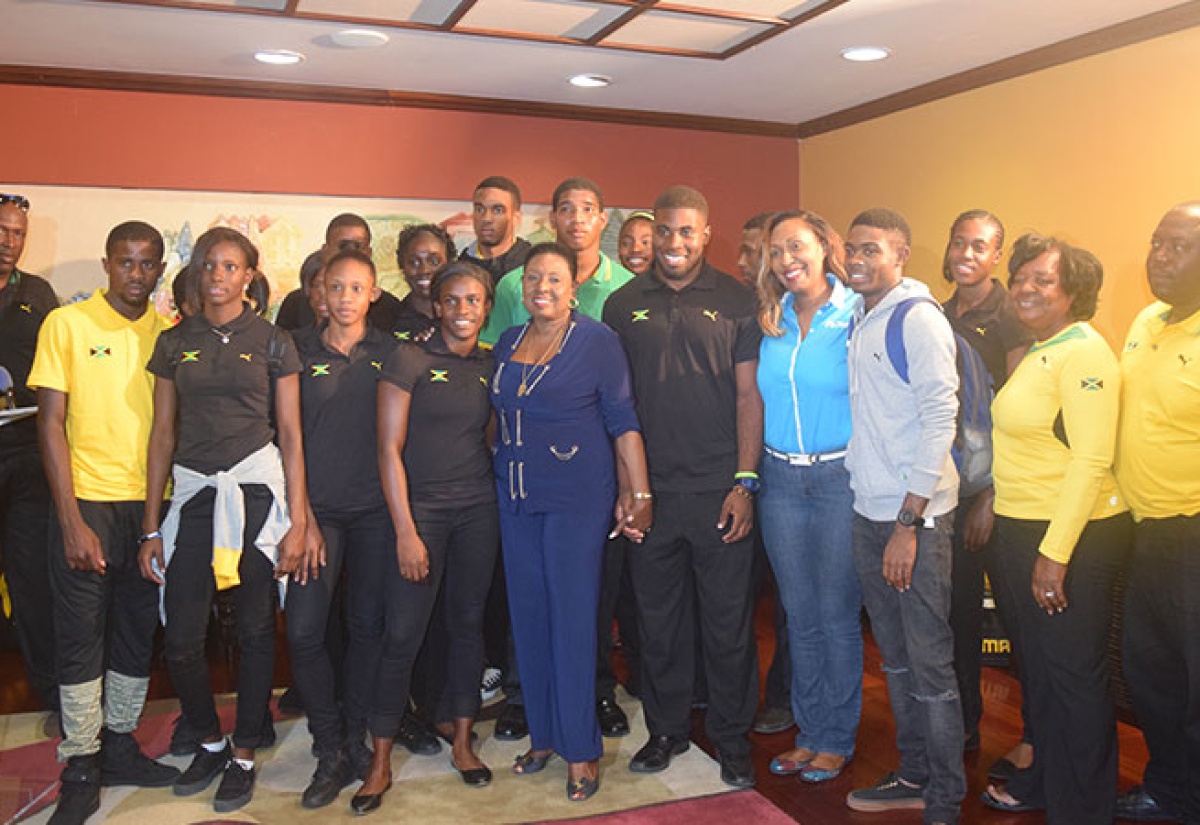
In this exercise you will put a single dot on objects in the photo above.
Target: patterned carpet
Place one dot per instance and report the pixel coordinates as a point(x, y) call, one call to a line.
point(427, 790)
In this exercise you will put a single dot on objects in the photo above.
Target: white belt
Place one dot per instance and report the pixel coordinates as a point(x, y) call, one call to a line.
point(804, 459)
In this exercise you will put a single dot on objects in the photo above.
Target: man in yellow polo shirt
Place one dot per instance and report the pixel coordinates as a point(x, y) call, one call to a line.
point(1158, 468)
point(94, 410)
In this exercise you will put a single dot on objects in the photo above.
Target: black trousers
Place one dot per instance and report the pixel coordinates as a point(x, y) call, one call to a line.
point(310, 609)
point(188, 601)
point(1065, 669)
point(1162, 657)
point(104, 621)
point(24, 521)
point(616, 602)
point(388, 617)
point(687, 581)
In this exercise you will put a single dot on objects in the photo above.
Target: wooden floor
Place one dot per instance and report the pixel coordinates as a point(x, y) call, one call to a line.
point(807, 804)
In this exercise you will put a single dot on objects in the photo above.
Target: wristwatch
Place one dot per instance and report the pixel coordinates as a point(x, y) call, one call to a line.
point(749, 484)
point(908, 518)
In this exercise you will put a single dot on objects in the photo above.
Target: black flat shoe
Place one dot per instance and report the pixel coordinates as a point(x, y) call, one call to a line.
point(475, 777)
point(511, 725)
point(414, 737)
point(363, 803)
point(998, 804)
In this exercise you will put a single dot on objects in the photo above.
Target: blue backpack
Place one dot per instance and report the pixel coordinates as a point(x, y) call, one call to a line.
point(972, 450)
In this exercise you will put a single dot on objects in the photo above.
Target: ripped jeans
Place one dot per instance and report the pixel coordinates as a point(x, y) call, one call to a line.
point(912, 630)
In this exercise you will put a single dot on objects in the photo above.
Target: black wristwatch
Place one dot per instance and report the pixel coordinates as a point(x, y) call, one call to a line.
point(908, 518)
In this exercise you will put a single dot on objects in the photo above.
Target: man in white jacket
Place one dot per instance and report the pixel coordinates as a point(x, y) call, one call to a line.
point(903, 383)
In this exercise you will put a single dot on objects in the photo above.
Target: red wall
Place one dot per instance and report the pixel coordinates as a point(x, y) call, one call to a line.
point(141, 140)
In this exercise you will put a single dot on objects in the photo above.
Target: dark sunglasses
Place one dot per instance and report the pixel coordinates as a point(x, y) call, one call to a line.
point(19, 201)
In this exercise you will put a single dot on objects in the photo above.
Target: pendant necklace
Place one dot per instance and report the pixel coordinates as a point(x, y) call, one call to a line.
point(221, 333)
point(530, 371)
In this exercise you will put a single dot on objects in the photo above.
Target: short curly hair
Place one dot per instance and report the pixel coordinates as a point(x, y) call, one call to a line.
point(1080, 273)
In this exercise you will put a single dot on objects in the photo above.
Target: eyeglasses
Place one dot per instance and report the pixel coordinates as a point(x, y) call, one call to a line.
point(19, 201)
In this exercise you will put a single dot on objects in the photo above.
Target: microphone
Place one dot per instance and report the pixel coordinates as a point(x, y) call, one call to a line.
point(7, 401)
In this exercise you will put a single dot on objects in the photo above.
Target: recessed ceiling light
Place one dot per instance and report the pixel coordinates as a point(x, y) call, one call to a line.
point(865, 54)
point(590, 81)
point(278, 57)
point(359, 38)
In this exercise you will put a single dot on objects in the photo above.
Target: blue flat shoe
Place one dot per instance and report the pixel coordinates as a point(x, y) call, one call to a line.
point(815, 776)
point(529, 762)
point(786, 767)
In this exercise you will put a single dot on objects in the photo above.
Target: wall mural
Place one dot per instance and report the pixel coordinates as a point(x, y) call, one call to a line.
point(68, 226)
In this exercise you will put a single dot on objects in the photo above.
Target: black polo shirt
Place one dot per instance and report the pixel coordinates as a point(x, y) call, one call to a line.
point(24, 303)
point(223, 389)
point(446, 454)
point(337, 402)
point(992, 329)
point(683, 347)
point(410, 321)
point(501, 265)
point(296, 313)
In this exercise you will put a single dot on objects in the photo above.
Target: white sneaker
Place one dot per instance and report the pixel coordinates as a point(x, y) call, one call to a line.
point(489, 688)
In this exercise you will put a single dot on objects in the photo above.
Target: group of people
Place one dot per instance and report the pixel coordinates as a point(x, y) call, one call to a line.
point(615, 430)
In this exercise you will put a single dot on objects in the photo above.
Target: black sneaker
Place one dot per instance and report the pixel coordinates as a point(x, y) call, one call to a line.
point(236, 788)
point(333, 773)
point(888, 794)
point(79, 795)
point(123, 763)
point(203, 770)
point(414, 735)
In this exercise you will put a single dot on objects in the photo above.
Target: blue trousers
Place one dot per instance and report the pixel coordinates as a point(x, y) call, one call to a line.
point(552, 565)
point(805, 515)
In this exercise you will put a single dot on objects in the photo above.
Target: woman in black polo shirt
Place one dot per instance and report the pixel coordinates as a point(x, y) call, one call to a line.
point(439, 489)
point(421, 250)
point(214, 430)
point(341, 359)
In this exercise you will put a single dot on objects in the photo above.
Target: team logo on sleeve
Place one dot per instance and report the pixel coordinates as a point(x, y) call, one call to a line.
point(101, 351)
point(245, 356)
point(640, 315)
point(320, 369)
point(26, 308)
point(483, 380)
point(710, 314)
point(402, 335)
point(439, 376)
point(191, 356)
point(378, 365)
point(1091, 384)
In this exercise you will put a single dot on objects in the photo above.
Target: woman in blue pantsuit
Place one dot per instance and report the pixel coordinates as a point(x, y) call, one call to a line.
point(563, 398)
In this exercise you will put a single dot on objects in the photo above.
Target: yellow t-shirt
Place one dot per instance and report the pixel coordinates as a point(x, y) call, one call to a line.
point(98, 358)
point(1037, 476)
point(1158, 451)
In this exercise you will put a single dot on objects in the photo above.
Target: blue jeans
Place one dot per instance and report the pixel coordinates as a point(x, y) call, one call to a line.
point(805, 515)
point(913, 632)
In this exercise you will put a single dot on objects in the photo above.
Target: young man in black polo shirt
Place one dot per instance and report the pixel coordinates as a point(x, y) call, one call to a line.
point(25, 300)
point(496, 217)
point(340, 362)
point(692, 338)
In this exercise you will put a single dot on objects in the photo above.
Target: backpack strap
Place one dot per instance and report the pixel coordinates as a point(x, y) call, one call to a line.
point(893, 336)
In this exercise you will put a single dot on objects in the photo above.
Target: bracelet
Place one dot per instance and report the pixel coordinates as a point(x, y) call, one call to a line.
point(145, 537)
point(745, 474)
point(643, 496)
point(742, 491)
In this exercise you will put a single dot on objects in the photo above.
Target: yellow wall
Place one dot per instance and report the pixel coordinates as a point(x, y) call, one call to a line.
point(1093, 151)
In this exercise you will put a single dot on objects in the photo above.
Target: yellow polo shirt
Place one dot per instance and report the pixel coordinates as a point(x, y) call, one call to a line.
point(98, 358)
point(1037, 476)
point(1158, 452)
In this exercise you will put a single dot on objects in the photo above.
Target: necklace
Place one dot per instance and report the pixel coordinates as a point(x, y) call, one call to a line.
point(537, 371)
point(221, 333)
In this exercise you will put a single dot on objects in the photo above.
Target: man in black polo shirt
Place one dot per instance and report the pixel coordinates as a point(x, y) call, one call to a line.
point(496, 216)
point(25, 301)
point(692, 338)
point(346, 231)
